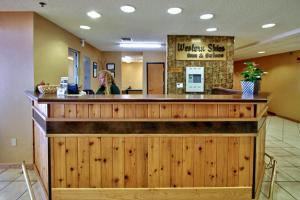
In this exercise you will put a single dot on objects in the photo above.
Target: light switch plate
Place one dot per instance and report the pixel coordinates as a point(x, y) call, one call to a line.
point(179, 85)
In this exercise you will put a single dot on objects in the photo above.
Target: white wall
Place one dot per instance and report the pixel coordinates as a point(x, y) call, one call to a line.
point(150, 56)
point(16, 70)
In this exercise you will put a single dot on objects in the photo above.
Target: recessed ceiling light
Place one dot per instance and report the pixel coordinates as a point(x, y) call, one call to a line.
point(206, 16)
point(148, 45)
point(127, 9)
point(85, 27)
point(268, 25)
point(261, 52)
point(211, 29)
point(174, 11)
point(93, 14)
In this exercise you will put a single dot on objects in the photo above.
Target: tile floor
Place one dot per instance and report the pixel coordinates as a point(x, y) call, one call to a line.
point(13, 186)
point(283, 142)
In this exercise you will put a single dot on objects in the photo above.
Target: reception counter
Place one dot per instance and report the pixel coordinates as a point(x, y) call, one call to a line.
point(169, 147)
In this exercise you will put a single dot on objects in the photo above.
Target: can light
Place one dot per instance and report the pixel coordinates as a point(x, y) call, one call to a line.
point(268, 25)
point(85, 27)
point(211, 29)
point(206, 16)
point(174, 11)
point(127, 9)
point(93, 14)
point(141, 45)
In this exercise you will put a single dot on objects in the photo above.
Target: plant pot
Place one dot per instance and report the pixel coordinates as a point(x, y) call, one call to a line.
point(247, 87)
point(256, 87)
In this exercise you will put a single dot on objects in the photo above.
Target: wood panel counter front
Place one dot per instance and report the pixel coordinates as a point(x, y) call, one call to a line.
point(150, 147)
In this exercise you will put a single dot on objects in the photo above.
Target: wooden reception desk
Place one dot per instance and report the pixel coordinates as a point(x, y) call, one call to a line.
point(168, 147)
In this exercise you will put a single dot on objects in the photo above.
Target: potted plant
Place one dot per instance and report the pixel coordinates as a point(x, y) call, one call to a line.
point(252, 76)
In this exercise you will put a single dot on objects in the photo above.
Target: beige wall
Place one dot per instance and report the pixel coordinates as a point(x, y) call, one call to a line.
point(282, 80)
point(132, 75)
point(16, 69)
point(51, 44)
point(152, 56)
point(32, 49)
point(113, 57)
point(116, 57)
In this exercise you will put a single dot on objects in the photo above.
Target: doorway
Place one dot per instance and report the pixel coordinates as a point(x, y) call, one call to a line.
point(156, 78)
point(73, 63)
point(87, 73)
point(132, 72)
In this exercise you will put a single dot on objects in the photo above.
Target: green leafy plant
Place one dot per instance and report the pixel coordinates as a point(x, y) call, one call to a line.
point(252, 72)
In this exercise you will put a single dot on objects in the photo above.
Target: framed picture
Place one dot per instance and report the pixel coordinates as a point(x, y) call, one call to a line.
point(110, 66)
point(95, 69)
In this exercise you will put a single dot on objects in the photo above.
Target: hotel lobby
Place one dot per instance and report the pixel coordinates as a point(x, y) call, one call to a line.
point(149, 99)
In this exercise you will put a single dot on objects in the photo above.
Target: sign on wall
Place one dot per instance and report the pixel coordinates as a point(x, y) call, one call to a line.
point(198, 50)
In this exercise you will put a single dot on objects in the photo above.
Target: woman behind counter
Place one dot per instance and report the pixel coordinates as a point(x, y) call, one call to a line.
point(107, 83)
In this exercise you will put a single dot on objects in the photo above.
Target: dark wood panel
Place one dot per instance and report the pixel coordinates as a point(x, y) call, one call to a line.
point(151, 127)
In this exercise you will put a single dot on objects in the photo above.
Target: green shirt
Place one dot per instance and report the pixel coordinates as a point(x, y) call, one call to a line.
point(113, 89)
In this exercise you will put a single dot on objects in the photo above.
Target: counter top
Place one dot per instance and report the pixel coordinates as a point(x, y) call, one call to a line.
point(52, 98)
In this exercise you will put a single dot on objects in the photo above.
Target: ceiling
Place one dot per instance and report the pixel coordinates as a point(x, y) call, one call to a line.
point(240, 18)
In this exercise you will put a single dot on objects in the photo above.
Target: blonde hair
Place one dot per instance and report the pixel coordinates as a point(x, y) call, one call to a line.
point(108, 80)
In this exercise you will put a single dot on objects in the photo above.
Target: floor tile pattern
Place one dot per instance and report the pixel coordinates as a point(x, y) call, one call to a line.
point(283, 143)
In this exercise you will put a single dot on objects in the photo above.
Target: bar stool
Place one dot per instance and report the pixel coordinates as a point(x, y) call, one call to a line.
point(272, 164)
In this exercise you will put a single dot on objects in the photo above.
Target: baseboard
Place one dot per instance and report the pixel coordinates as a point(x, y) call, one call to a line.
point(284, 117)
point(204, 193)
point(271, 113)
point(15, 166)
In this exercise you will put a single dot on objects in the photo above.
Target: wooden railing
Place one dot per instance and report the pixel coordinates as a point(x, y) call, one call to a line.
point(28, 183)
point(272, 164)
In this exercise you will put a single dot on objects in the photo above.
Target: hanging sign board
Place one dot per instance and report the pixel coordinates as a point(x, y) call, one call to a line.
point(198, 50)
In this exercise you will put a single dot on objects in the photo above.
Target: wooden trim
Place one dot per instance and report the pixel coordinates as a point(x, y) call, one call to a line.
point(152, 135)
point(254, 169)
point(52, 98)
point(50, 171)
point(171, 100)
point(208, 193)
point(249, 119)
point(37, 124)
point(32, 137)
point(163, 74)
point(40, 180)
point(155, 102)
point(39, 120)
point(15, 166)
point(261, 114)
point(151, 127)
point(35, 109)
point(259, 185)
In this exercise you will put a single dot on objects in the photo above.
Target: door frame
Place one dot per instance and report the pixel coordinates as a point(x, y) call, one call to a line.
point(85, 57)
point(164, 71)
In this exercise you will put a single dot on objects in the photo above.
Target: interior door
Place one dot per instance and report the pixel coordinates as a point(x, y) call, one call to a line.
point(87, 73)
point(155, 78)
